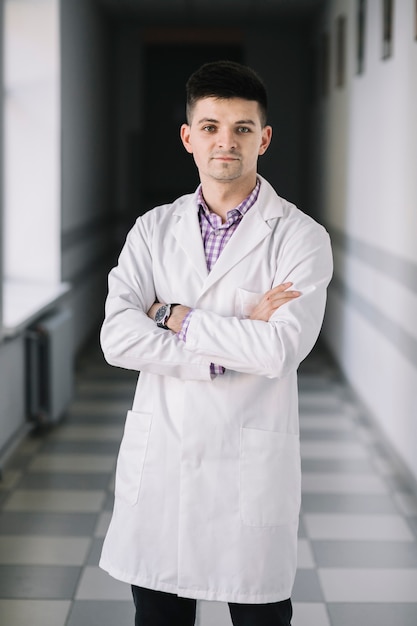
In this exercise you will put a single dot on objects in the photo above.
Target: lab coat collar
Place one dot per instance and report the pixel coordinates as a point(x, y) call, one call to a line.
point(255, 226)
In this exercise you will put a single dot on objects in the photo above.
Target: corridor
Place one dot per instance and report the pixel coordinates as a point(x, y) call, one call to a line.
point(92, 103)
point(358, 532)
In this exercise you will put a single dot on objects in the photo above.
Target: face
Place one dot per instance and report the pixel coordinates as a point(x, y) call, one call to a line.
point(226, 137)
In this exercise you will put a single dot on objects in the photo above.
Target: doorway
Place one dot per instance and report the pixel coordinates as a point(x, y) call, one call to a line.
point(168, 170)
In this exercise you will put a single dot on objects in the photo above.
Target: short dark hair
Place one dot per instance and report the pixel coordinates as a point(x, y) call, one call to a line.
point(224, 80)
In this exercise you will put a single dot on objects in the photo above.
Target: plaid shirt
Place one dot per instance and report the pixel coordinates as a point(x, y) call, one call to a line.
point(215, 235)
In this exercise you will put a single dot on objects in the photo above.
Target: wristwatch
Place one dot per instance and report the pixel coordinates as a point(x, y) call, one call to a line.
point(162, 315)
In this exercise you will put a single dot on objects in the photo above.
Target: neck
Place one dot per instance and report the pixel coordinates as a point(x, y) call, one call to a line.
point(222, 197)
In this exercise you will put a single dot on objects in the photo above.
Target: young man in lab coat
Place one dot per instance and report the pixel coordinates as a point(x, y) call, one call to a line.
point(216, 299)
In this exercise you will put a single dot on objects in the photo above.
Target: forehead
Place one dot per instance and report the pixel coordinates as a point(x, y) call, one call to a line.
point(231, 110)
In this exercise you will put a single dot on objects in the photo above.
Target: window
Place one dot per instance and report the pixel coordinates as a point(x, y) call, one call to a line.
point(31, 158)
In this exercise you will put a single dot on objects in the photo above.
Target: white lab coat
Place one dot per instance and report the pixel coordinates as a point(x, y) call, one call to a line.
point(208, 475)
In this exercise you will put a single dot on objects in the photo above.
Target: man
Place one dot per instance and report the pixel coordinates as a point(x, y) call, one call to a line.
point(216, 299)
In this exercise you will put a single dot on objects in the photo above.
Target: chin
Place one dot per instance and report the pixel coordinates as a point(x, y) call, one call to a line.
point(227, 175)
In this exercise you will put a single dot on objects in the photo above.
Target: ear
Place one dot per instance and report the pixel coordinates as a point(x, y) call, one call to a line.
point(185, 137)
point(266, 139)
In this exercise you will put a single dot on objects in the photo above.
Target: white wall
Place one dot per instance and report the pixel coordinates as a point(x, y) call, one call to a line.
point(365, 150)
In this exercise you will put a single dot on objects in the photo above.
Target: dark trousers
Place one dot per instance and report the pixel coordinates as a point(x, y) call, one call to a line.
point(157, 608)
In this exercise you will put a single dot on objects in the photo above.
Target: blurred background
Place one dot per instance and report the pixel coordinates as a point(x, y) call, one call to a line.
point(92, 102)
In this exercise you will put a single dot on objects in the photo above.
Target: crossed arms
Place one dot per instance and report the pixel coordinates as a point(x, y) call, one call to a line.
point(270, 342)
point(269, 303)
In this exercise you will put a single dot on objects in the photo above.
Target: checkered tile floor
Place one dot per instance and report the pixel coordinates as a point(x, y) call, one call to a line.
point(358, 532)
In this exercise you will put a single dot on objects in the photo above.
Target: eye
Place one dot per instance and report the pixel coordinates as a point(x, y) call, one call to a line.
point(209, 128)
point(243, 129)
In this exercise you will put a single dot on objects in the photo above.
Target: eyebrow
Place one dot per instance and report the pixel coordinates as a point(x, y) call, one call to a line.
point(214, 121)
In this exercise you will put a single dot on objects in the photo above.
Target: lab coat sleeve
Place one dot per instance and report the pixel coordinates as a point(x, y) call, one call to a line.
point(129, 338)
point(277, 347)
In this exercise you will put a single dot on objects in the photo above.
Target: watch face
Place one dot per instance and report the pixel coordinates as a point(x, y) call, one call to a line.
point(161, 314)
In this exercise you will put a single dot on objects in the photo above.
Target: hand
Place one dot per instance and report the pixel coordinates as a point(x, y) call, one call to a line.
point(272, 300)
point(178, 314)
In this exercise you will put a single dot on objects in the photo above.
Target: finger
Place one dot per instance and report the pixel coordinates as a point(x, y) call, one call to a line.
point(283, 296)
point(280, 288)
point(278, 301)
point(277, 290)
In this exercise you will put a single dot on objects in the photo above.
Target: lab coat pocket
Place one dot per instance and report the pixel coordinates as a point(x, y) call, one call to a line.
point(132, 456)
point(245, 302)
point(270, 477)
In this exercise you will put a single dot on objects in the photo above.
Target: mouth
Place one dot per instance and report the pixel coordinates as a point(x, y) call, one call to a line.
point(225, 158)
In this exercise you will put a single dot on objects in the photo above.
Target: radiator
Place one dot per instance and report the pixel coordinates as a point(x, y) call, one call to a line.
point(49, 367)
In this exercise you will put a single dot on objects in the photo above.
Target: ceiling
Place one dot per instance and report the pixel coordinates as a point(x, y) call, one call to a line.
point(232, 11)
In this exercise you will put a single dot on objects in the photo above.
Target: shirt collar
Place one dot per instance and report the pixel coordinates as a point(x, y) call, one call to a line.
point(243, 207)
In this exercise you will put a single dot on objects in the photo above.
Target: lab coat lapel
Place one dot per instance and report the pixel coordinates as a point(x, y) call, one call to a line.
point(188, 235)
point(254, 227)
point(250, 232)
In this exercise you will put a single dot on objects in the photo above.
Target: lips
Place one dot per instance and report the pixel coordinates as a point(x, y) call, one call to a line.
point(226, 158)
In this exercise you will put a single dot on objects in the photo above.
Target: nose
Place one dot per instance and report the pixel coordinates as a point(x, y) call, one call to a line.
point(226, 139)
